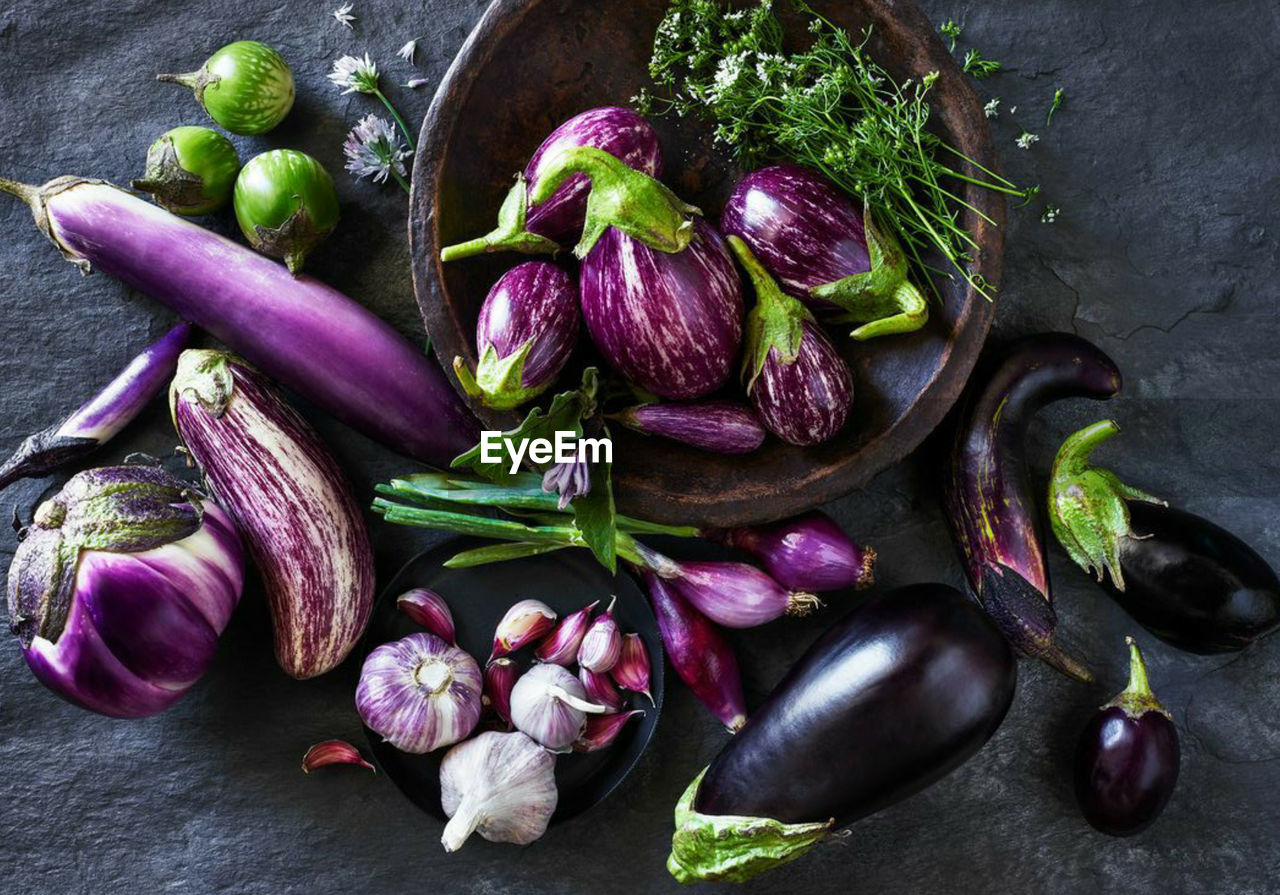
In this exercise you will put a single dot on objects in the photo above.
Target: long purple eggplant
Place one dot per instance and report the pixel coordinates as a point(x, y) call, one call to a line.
point(291, 502)
point(812, 238)
point(993, 512)
point(558, 220)
point(669, 322)
point(801, 388)
point(895, 696)
point(306, 335)
point(101, 417)
point(527, 329)
point(722, 427)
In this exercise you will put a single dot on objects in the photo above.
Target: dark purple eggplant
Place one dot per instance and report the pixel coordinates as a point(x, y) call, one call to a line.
point(1128, 757)
point(722, 427)
point(1192, 584)
point(523, 227)
point(798, 384)
point(809, 552)
point(527, 328)
point(670, 322)
point(811, 237)
point(990, 505)
point(894, 697)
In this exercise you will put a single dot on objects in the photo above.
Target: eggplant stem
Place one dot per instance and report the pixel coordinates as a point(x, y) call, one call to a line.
point(1139, 685)
point(24, 191)
point(186, 79)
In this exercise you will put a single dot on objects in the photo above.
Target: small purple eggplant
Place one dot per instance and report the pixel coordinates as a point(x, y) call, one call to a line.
point(722, 427)
point(670, 322)
point(798, 384)
point(527, 329)
point(536, 228)
point(811, 237)
point(808, 552)
point(1128, 757)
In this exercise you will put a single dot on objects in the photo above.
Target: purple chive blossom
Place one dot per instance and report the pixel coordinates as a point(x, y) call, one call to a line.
point(571, 480)
point(374, 149)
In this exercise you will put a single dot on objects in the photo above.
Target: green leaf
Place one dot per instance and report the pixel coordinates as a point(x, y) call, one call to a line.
point(491, 553)
point(594, 516)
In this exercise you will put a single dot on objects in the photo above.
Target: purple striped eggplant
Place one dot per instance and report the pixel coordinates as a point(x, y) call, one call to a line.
point(800, 387)
point(101, 417)
point(668, 322)
point(722, 427)
point(292, 503)
point(527, 329)
point(559, 218)
point(120, 588)
point(993, 512)
point(310, 337)
point(811, 237)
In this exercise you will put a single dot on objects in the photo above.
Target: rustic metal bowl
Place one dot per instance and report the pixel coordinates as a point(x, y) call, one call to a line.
point(531, 64)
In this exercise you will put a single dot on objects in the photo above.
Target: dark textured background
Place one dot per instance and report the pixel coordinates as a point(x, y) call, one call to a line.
point(1164, 161)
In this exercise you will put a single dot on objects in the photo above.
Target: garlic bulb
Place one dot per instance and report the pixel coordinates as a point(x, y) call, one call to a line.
point(549, 704)
point(501, 785)
point(419, 693)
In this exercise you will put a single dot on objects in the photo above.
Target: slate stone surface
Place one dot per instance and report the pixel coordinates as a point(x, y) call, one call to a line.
point(1165, 165)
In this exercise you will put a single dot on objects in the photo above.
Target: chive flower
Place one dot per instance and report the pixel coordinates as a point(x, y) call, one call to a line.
point(344, 17)
point(374, 149)
point(992, 108)
point(1025, 140)
point(356, 75)
point(408, 50)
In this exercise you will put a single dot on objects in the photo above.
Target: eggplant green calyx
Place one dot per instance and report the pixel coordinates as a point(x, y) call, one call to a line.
point(1087, 506)
point(882, 299)
point(776, 321)
point(195, 81)
point(731, 849)
point(621, 197)
point(204, 377)
point(119, 509)
point(37, 198)
point(190, 170)
point(497, 382)
point(1136, 699)
point(510, 235)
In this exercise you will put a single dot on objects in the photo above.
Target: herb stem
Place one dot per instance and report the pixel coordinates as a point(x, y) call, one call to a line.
point(400, 121)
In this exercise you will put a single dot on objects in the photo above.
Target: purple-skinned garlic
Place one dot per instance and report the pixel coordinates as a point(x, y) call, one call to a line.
point(602, 730)
point(525, 622)
point(428, 609)
point(550, 705)
point(600, 689)
point(562, 644)
point(500, 676)
point(602, 643)
point(631, 671)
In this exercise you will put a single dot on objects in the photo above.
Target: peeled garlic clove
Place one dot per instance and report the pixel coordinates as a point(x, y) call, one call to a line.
point(549, 704)
point(524, 623)
point(602, 644)
point(631, 671)
point(562, 645)
point(428, 609)
point(333, 752)
point(419, 693)
point(602, 730)
point(500, 676)
point(600, 689)
point(500, 785)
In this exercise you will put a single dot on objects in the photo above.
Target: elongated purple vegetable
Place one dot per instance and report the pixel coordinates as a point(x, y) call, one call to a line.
point(811, 237)
point(992, 509)
point(527, 329)
point(722, 427)
point(668, 321)
point(120, 589)
point(800, 387)
point(308, 336)
point(699, 653)
point(101, 417)
point(808, 552)
point(291, 502)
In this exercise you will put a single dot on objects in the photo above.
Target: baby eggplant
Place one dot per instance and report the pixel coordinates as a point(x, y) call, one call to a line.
point(1127, 760)
point(1194, 585)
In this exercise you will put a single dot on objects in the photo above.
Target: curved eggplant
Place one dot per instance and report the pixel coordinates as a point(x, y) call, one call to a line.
point(987, 490)
point(898, 694)
point(670, 322)
point(1191, 583)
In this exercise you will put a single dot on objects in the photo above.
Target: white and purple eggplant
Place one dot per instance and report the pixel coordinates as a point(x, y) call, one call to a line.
point(101, 417)
point(290, 500)
point(559, 217)
point(721, 427)
point(812, 238)
point(308, 336)
point(527, 329)
point(808, 552)
point(121, 587)
point(798, 384)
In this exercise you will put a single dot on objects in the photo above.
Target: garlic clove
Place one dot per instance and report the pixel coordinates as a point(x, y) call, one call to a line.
point(333, 752)
point(602, 730)
point(600, 689)
point(500, 785)
point(500, 676)
point(525, 622)
point(562, 645)
point(631, 671)
point(549, 704)
point(428, 609)
point(602, 644)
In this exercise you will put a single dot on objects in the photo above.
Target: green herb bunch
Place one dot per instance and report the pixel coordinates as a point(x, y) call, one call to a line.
point(829, 106)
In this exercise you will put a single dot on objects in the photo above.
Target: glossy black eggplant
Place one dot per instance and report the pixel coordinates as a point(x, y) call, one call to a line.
point(993, 512)
point(1128, 757)
point(895, 696)
point(1191, 583)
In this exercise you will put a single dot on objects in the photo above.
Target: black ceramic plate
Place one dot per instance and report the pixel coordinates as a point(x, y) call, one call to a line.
point(478, 597)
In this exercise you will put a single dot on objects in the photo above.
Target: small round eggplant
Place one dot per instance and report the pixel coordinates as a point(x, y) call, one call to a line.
point(1192, 584)
point(1127, 760)
point(527, 329)
point(722, 427)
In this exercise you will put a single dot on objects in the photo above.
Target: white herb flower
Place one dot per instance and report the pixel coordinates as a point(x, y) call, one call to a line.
point(1050, 214)
point(344, 17)
point(992, 109)
point(728, 71)
point(1013, 109)
point(374, 149)
point(1025, 140)
point(354, 74)
point(415, 83)
point(408, 50)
